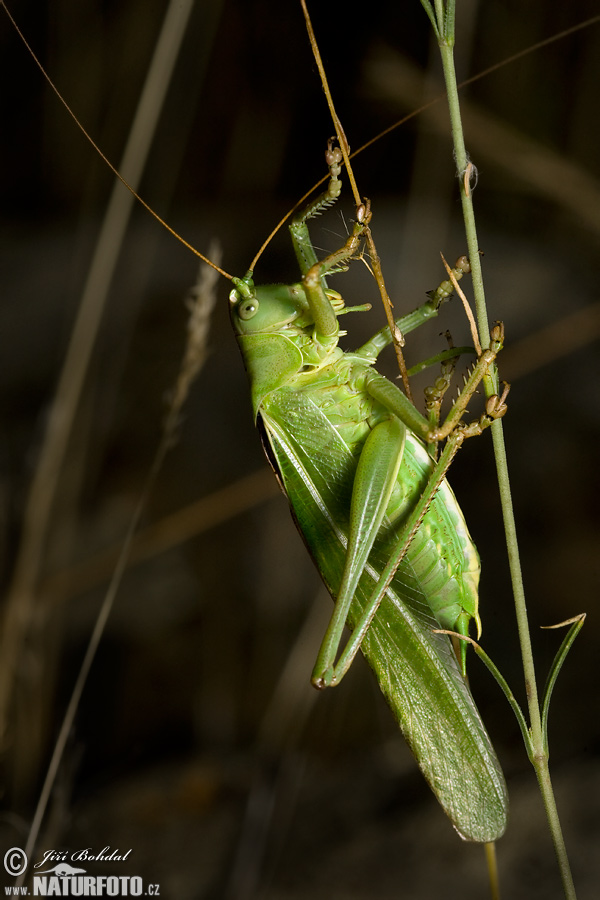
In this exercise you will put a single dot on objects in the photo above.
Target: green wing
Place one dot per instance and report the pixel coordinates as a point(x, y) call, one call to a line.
point(416, 669)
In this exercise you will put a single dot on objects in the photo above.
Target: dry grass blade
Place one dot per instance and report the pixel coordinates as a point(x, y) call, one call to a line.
point(200, 303)
point(466, 305)
point(194, 355)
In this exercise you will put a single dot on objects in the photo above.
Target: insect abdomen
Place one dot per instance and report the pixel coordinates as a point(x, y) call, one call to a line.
point(442, 555)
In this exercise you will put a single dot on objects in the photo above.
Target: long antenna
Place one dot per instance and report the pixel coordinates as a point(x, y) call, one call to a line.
point(113, 169)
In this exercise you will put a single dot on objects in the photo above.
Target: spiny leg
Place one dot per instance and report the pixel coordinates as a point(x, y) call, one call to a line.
point(435, 393)
point(361, 628)
point(392, 397)
point(303, 246)
point(314, 270)
point(478, 371)
point(417, 317)
point(374, 480)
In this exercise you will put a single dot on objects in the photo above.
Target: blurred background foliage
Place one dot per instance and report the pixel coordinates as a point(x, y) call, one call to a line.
point(226, 777)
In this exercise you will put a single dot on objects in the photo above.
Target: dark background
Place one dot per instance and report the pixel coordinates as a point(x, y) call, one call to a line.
point(223, 779)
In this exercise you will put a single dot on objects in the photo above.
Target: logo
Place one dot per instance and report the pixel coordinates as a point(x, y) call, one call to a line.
point(59, 873)
point(63, 870)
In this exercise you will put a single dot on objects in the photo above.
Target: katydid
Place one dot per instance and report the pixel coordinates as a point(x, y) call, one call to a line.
point(376, 513)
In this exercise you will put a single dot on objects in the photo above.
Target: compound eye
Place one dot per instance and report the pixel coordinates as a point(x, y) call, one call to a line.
point(247, 309)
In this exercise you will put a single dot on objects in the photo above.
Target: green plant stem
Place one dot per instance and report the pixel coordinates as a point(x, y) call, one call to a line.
point(538, 753)
point(543, 776)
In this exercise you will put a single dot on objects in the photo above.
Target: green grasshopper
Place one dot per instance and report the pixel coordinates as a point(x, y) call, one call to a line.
point(376, 513)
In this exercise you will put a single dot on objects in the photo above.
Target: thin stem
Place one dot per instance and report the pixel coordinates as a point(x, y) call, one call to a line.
point(467, 172)
point(492, 865)
point(543, 776)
